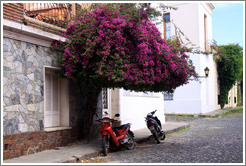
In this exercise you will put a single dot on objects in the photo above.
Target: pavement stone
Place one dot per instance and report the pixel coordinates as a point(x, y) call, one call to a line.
point(207, 140)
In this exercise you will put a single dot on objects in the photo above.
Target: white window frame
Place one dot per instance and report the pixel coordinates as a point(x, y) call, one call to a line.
point(63, 102)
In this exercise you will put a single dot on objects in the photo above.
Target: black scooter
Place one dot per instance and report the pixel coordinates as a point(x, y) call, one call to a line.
point(154, 125)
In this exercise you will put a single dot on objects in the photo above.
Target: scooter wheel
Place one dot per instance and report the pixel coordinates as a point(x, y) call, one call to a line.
point(105, 145)
point(156, 137)
point(163, 136)
point(130, 143)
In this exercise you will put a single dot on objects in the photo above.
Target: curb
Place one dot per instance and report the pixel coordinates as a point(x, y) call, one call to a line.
point(206, 116)
point(77, 158)
point(177, 129)
point(211, 115)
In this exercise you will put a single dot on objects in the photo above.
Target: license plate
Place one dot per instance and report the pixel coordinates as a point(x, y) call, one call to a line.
point(152, 128)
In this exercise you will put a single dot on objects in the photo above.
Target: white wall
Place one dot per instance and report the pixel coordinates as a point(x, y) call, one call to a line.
point(186, 19)
point(197, 96)
point(135, 106)
point(189, 17)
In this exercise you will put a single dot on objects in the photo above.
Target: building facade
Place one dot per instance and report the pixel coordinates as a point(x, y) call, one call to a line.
point(40, 110)
point(202, 96)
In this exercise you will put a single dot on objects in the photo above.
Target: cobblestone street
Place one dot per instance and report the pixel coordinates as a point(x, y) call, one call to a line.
point(207, 140)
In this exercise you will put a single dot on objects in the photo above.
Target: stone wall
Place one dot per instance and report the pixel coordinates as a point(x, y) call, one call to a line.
point(32, 142)
point(23, 86)
point(23, 101)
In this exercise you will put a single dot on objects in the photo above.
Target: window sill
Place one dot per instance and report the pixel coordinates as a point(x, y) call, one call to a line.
point(50, 129)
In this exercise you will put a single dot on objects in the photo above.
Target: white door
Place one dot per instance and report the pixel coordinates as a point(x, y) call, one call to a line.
point(52, 99)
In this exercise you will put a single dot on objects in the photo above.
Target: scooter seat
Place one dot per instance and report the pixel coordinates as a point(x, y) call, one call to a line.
point(121, 127)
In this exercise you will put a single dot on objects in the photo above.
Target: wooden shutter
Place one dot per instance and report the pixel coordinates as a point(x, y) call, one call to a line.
point(52, 99)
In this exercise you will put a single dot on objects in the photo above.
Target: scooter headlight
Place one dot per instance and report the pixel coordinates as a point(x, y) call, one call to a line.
point(105, 120)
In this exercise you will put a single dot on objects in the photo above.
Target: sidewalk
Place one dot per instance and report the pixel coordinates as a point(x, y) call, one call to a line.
point(82, 150)
point(215, 113)
point(212, 114)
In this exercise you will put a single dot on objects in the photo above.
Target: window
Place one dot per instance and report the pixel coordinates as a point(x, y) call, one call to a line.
point(235, 100)
point(52, 104)
point(168, 96)
point(140, 94)
point(167, 26)
point(105, 98)
point(106, 102)
point(56, 100)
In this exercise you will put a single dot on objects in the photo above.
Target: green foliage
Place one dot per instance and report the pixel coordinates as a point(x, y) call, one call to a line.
point(230, 68)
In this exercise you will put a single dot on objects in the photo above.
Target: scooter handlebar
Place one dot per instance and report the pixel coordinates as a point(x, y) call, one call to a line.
point(153, 112)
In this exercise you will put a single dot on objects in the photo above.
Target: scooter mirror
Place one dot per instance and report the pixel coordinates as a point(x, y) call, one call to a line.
point(117, 115)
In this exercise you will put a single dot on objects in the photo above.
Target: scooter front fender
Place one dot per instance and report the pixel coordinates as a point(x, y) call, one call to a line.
point(110, 133)
point(105, 132)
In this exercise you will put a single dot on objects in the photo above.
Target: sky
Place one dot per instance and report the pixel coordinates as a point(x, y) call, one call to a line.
point(228, 23)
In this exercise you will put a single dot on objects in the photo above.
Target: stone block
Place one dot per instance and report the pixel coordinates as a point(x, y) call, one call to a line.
point(8, 57)
point(31, 76)
point(10, 65)
point(11, 108)
point(7, 101)
point(29, 89)
point(15, 99)
point(30, 58)
point(22, 109)
point(23, 127)
point(30, 98)
point(5, 48)
point(22, 77)
point(6, 68)
point(23, 56)
point(21, 119)
point(9, 127)
point(35, 62)
point(18, 67)
point(31, 107)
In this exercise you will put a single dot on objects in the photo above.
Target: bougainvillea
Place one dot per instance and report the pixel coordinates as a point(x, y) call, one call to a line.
point(110, 48)
point(116, 46)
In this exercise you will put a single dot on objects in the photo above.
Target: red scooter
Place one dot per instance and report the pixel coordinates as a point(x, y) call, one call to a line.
point(116, 137)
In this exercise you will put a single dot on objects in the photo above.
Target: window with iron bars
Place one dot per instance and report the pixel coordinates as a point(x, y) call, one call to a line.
point(168, 96)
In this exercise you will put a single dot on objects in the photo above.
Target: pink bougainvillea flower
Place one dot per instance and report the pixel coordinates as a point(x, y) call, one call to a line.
point(110, 48)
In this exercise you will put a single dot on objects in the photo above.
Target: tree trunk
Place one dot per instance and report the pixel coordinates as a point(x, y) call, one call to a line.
point(89, 112)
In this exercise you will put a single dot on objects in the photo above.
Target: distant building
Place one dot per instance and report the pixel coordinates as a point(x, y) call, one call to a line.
point(195, 21)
